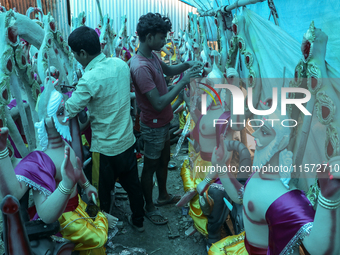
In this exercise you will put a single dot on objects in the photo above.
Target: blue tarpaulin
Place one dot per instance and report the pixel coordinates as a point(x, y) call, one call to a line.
point(294, 18)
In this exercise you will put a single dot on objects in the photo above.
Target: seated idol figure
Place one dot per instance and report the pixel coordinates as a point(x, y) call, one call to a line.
point(53, 173)
point(277, 216)
point(208, 211)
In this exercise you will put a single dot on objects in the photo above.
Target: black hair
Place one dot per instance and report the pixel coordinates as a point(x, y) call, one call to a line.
point(152, 23)
point(84, 38)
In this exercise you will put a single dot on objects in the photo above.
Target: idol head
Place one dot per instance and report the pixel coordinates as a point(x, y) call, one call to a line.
point(52, 113)
point(272, 137)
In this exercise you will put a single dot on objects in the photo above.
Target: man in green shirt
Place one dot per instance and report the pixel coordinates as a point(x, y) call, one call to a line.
point(105, 90)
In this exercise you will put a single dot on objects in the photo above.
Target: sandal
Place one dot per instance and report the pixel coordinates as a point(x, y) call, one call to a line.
point(157, 213)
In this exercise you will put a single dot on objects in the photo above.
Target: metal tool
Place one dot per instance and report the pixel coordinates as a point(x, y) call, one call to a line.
point(93, 196)
point(229, 205)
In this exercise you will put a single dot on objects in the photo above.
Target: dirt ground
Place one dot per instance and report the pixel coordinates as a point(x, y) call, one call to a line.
point(155, 238)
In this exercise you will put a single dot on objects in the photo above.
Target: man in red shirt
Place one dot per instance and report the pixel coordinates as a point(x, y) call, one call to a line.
point(153, 98)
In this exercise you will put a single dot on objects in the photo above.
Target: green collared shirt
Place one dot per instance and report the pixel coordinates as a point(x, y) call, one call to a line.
point(105, 90)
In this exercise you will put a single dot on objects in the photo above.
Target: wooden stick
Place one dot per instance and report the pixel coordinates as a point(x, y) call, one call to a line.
point(100, 12)
point(228, 8)
point(273, 12)
point(39, 5)
point(155, 251)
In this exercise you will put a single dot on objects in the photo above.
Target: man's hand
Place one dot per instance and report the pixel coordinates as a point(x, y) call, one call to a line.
point(3, 138)
point(191, 74)
point(89, 191)
point(195, 64)
point(70, 175)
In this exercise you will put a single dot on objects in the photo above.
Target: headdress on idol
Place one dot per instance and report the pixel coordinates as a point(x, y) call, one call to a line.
point(49, 94)
point(308, 42)
point(222, 92)
point(48, 105)
point(215, 77)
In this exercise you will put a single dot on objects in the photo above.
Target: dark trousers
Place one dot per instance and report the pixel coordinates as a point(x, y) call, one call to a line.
point(218, 214)
point(124, 167)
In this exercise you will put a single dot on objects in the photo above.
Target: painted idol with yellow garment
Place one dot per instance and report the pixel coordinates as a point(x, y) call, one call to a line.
point(209, 210)
point(53, 173)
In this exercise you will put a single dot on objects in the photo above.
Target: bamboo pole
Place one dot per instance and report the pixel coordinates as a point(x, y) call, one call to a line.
point(227, 8)
point(100, 12)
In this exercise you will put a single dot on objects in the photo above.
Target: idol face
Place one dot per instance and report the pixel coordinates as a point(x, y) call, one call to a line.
point(264, 136)
point(62, 114)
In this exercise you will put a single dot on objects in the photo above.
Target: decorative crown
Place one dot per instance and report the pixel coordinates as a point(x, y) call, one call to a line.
point(310, 34)
point(308, 41)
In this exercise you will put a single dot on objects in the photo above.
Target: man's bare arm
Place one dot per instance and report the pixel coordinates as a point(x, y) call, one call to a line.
point(178, 69)
point(160, 102)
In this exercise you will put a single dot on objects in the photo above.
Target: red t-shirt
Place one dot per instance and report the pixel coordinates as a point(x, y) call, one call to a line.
point(146, 75)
